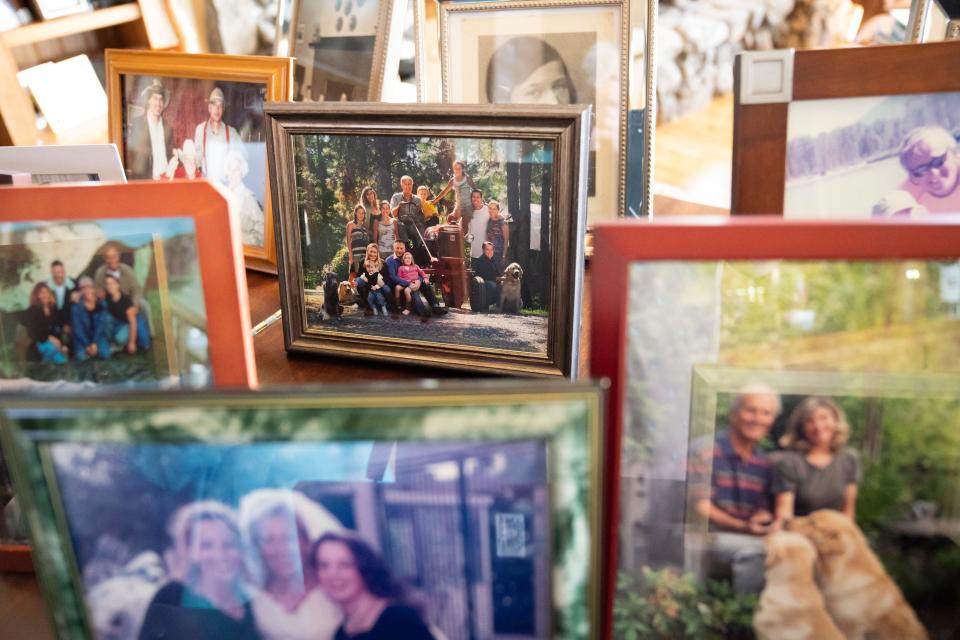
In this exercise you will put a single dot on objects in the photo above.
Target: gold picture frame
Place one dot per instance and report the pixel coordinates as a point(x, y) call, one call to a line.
point(273, 74)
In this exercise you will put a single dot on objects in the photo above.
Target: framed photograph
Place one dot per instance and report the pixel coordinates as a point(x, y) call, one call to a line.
point(440, 511)
point(851, 133)
point(128, 285)
point(933, 20)
point(548, 53)
point(178, 115)
point(345, 51)
point(49, 9)
point(800, 393)
point(448, 236)
point(52, 164)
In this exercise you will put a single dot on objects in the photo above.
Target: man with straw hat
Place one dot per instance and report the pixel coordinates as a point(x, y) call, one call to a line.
point(149, 144)
point(214, 139)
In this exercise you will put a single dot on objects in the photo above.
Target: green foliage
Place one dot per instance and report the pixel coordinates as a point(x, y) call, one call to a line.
point(661, 605)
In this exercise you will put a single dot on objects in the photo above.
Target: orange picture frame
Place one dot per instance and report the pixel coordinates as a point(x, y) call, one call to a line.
point(230, 340)
point(275, 73)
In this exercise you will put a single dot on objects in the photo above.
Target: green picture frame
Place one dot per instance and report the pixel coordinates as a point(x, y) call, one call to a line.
point(50, 438)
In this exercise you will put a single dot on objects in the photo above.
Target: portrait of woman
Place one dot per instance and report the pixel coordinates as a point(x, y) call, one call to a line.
point(372, 601)
point(371, 207)
point(528, 70)
point(40, 321)
point(358, 237)
point(817, 470)
point(129, 326)
point(207, 599)
point(279, 527)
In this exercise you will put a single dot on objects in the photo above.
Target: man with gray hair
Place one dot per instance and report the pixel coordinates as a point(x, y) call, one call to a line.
point(408, 210)
point(731, 485)
point(929, 154)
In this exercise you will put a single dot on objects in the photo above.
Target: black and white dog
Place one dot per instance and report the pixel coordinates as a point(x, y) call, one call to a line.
point(510, 301)
point(331, 297)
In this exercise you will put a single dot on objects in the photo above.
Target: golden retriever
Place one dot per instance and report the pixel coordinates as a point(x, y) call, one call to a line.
point(791, 606)
point(862, 599)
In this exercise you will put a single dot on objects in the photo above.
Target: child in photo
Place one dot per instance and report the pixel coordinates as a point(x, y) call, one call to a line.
point(375, 299)
point(412, 273)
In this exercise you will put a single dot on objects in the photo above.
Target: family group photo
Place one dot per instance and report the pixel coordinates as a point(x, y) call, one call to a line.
point(427, 239)
point(789, 445)
point(892, 156)
point(310, 540)
point(110, 301)
point(190, 128)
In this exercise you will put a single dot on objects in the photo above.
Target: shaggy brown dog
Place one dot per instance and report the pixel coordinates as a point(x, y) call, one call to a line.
point(510, 301)
point(863, 600)
point(791, 606)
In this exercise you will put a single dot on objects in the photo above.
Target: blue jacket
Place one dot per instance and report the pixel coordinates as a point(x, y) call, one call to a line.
point(89, 327)
point(393, 265)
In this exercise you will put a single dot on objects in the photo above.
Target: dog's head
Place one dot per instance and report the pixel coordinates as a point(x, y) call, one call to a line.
point(513, 271)
point(346, 293)
point(834, 535)
point(792, 550)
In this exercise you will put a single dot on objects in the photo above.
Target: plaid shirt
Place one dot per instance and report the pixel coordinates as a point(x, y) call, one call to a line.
point(738, 487)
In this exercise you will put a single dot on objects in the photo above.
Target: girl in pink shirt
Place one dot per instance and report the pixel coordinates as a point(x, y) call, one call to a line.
point(413, 274)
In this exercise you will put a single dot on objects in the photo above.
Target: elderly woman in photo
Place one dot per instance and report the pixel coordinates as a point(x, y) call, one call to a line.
point(207, 599)
point(40, 321)
point(372, 601)
point(817, 471)
point(251, 215)
point(280, 527)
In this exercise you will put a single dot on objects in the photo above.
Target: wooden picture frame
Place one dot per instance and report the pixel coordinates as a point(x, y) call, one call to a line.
point(535, 520)
point(525, 20)
point(240, 75)
point(227, 322)
point(667, 267)
point(504, 142)
point(390, 15)
point(768, 85)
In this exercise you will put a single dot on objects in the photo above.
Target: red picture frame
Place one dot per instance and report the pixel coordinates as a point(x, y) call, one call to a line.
point(220, 254)
point(620, 244)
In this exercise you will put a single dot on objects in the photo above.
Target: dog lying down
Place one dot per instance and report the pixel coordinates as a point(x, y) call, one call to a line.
point(791, 606)
point(862, 599)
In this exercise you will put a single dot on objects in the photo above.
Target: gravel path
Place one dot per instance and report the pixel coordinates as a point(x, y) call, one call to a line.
point(500, 331)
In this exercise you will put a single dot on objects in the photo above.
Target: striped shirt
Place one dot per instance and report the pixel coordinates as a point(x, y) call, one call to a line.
point(739, 487)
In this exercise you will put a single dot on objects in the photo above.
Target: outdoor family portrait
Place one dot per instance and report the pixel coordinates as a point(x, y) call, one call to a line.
point(111, 301)
point(412, 540)
point(427, 239)
point(793, 463)
point(883, 156)
point(191, 128)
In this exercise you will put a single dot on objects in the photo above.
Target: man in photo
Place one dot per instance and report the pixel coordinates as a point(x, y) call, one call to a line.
point(929, 155)
point(129, 286)
point(149, 144)
point(65, 293)
point(407, 208)
point(393, 264)
point(214, 139)
point(487, 270)
point(477, 223)
point(734, 495)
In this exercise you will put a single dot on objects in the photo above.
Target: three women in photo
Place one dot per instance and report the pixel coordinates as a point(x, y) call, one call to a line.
point(283, 568)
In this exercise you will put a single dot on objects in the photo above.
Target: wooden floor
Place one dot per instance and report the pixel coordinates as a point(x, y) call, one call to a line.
point(693, 155)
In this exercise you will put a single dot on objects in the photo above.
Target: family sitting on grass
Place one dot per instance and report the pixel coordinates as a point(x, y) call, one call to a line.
point(88, 317)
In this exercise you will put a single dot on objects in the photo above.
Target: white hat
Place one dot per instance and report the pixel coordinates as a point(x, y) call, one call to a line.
point(216, 95)
point(188, 150)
